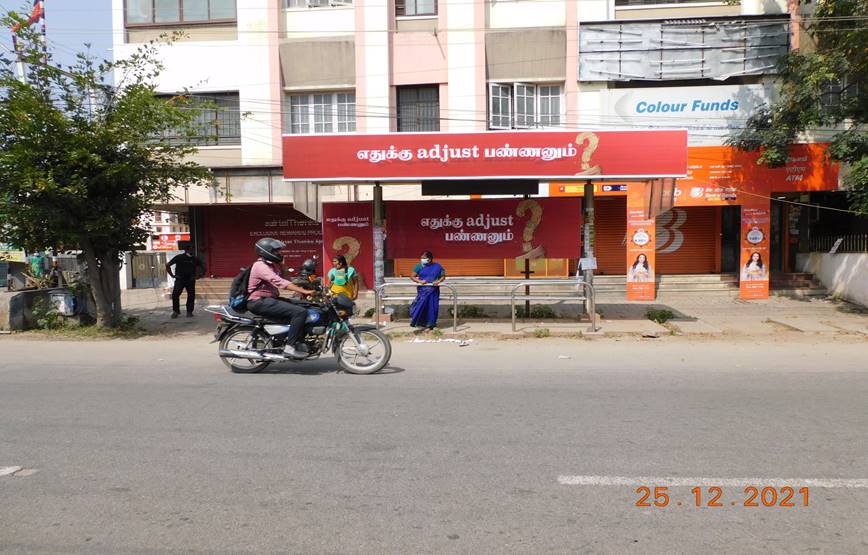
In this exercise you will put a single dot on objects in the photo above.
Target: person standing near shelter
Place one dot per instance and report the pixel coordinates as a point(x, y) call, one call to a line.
point(188, 268)
point(343, 278)
point(425, 309)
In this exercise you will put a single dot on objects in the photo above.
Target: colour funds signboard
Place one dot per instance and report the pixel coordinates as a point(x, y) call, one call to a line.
point(508, 154)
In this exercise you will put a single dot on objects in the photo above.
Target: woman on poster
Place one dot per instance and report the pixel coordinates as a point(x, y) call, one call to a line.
point(425, 309)
point(640, 271)
point(754, 269)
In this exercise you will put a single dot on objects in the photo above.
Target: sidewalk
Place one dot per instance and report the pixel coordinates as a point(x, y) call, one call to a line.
point(694, 315)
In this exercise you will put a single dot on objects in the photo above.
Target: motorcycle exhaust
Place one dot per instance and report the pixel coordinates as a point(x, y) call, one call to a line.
point(252, 355)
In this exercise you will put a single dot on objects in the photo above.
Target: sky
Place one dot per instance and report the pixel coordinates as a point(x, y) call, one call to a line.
point(69, 25)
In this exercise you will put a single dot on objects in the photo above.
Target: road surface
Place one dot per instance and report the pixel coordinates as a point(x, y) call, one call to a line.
point(535, 446)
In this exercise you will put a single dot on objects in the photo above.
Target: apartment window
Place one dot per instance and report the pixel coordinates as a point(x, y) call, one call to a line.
point(419, 108)
point(523, 105)
point(839, 93)
point(415, 7)
point(166, 12)
point(290, 4)
point(321, 113)
point(217, 121)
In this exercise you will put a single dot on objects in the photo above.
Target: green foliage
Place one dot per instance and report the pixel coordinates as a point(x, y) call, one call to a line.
point(437, 332)
point(82, 160)
point(46, 314)
point(820, 89)
point(370, 312)
point(659, 315)
point(470, 311)
point(542, 312)
point(540, 333)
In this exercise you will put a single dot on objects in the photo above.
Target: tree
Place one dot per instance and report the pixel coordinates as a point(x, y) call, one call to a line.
point(823, 92)
point(83, 161)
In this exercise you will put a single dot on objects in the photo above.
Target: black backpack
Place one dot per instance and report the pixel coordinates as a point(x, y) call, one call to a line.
point(238, 294)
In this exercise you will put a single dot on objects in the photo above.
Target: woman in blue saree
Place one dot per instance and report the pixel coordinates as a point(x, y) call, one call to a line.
point(429, 275)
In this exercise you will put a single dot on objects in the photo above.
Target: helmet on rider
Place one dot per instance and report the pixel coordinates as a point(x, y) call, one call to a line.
point(269, 249)
point(308, 267)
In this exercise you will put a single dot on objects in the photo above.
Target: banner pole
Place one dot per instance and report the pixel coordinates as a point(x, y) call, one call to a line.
point(379, 264)
point(588, 243)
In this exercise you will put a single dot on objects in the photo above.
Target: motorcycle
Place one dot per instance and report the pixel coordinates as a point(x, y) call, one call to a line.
point(249, 343)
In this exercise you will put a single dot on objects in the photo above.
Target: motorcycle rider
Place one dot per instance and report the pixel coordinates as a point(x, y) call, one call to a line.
point(264, 300)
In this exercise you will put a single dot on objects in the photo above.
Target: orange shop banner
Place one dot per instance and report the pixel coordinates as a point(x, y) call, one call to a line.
point(641, 243)
point(722, 175)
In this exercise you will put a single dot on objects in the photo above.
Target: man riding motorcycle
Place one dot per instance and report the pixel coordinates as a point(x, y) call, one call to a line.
point(264, 300)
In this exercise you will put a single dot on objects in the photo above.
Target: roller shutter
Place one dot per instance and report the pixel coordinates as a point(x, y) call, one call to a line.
point(611, 228)
point(686, 240)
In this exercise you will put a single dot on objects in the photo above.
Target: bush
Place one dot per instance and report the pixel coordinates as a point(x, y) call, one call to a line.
point(46, 314)
point(470, 311)
point(370, 312)
point(659, 315)
point(537, 311)
point(542, 311)
point(541, 332)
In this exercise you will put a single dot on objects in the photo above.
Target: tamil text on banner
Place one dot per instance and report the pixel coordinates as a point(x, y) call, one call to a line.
point(348, 230)
point(509, 154)
point(641, 240)
point(490, 228)
point(754, 269)
point(168, 241)
point(8, 254)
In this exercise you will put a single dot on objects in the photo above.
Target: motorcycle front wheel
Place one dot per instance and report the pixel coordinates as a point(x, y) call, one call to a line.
point(352, 360)
point(243, 339)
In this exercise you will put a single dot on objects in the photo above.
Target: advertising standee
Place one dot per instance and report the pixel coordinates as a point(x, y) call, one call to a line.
point(755, 239)
point(641, 243)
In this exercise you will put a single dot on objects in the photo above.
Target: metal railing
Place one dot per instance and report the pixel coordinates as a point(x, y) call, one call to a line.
point(379, 297)
point(853, 242)
point(588, 288)
point(586, 294)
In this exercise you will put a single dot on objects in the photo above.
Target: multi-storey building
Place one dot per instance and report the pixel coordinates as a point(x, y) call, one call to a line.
point(394, 66)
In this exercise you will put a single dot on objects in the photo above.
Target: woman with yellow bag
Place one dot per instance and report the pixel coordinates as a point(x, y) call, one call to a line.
point(343, 278)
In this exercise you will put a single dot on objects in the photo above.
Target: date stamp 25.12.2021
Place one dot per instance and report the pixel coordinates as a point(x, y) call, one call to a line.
point(716, 496)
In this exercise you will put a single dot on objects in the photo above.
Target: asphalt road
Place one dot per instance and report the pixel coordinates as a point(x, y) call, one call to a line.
point(154, 447)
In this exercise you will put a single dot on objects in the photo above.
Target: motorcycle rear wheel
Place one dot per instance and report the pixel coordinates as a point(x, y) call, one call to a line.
point(243, 339)
point(354, 362)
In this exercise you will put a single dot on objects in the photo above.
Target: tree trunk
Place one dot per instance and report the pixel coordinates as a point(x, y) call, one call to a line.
point(103, 269)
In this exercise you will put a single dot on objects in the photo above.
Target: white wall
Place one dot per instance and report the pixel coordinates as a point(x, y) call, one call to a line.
point(319, 22)
point(841, 274)
point(525, 13)
point(763, 7)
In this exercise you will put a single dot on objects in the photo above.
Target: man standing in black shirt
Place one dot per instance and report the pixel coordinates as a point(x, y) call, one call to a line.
point(188, 268)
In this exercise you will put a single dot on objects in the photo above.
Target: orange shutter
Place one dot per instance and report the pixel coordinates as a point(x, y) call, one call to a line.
point(610, 216)
point(686, 240)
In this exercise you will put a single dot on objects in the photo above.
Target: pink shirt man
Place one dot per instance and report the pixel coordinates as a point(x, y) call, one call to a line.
point(265, 280)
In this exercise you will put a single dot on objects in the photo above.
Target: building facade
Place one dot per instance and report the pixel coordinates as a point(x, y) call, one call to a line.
point(277, 67)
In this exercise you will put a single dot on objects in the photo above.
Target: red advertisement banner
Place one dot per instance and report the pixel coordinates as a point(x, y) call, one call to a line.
point(755, 240)
point(491, 228)
point(168, 241)
point(641, 243)
point(508, 154)
point(348, 230)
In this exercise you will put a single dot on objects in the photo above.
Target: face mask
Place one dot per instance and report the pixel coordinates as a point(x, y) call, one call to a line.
point(425, 261)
